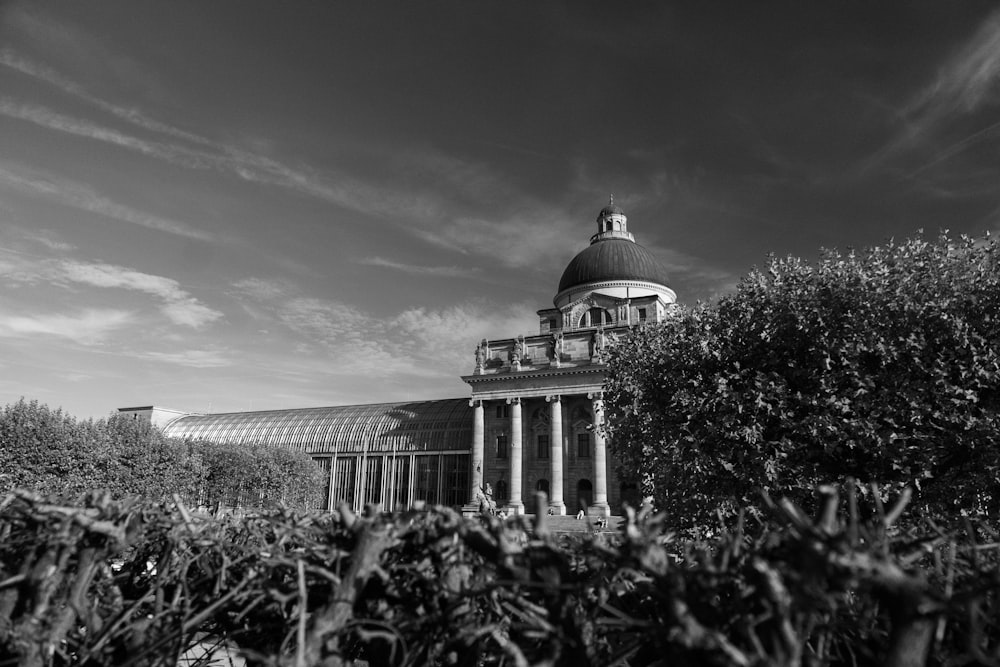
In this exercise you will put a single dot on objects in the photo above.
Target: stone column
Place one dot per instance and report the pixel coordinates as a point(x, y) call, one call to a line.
point(516, 504)
point(556, 454)
point(478, 450)
point(600, 506)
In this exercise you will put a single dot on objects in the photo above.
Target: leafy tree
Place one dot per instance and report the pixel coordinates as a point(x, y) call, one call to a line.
point(881, 365)
point(46, 449)
point(257, 476)
point(136, 458)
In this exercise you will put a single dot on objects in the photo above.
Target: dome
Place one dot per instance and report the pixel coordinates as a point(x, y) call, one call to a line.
point(610, 209)
point(613, 259)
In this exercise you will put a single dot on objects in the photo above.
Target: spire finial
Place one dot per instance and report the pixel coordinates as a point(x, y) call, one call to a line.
point(611, 200)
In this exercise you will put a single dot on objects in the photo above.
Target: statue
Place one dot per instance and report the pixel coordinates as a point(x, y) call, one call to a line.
point(482, 350)
point(557, 348)
point(486, 503)
point(517, 353)
point(597, 345)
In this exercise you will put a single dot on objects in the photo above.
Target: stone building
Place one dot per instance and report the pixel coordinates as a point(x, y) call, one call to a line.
point(533, 421)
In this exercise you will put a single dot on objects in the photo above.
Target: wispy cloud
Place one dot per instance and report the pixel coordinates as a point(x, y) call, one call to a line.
point(967, 79)
point(418, 210)
point(419, 342)
point(41, 72)
point(179, 306)
point(87, 327)
point(189, 358)
point(441, 271)
point(75, 195)
point(45, 238)
point(964, 83)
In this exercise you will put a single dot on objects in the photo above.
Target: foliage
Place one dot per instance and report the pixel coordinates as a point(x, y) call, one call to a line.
point(50, 452)
point(256, 476)
point(47, 449)
point(432, 588)
point(882, 365)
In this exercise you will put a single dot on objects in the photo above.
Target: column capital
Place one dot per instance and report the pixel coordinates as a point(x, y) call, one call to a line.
point(595, 395)
point(513, 400)
point(553, 398)
point(475, 402)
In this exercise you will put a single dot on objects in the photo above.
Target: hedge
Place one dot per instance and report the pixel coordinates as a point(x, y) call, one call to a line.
point(122, 582)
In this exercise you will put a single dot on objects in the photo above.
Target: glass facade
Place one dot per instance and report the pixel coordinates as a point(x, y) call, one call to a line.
point(387, 453)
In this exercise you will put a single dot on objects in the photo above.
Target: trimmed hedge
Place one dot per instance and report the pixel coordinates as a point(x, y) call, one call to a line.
point(110, 582)
point(51, 453)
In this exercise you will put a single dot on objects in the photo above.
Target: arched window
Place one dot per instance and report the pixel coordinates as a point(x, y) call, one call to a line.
point(595, 317)
point(543, 486)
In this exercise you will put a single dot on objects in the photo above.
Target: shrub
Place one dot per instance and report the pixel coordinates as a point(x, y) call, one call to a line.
point(51, 453)
point(882, 365)
point(433, 588)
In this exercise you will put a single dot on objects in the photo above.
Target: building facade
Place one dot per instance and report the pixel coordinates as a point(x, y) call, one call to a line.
point(533, 422)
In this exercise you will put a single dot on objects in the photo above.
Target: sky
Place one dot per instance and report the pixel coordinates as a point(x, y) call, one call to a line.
point(235, 205)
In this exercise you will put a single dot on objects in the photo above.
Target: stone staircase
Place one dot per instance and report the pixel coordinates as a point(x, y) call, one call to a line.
point(570, 524)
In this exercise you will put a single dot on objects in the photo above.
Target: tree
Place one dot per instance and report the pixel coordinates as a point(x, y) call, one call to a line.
point(881, 365)
point(45, 449)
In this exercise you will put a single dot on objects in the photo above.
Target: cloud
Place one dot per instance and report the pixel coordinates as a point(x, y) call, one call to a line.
point(189, 358)
point(28, 67)
point(441, 271)
point(177, 304)
point(448, 336)
point(75, 195)
point(46, 238)
point(88, 326)
point(261, 289)
point(965, 83)
point(967, 79)
point(418, 342)
point(425, 213)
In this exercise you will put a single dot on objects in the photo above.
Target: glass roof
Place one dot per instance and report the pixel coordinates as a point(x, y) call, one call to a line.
point(376, 427)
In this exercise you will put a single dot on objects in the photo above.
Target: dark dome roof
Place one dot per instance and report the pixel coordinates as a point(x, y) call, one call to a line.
point(613, 259)
point(610, 209)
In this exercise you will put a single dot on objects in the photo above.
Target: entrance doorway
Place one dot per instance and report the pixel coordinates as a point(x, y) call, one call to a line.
point(584, 494)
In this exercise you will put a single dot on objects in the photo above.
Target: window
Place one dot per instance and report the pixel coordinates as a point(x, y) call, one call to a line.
point(543, 486)
point(325, 464)
point(502, 490)
point(642, 314)
point(501, 446)
point(543, 446)
point(455, 471)
point(503, 411)
point(425, 476)
point(583, 446)
point(344, 477)
point(595, 317)
point(373, 480)
point(552, 324)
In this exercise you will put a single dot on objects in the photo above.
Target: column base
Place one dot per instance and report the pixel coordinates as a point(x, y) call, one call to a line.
point(514, 507)
point(470, 510)
point(599, 509)
point(558, 508)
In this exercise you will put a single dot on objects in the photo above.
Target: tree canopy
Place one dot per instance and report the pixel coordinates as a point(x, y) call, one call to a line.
point(47, 451)
point(880, 365)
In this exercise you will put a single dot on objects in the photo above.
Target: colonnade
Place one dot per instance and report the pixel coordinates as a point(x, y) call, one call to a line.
point(557, 502)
